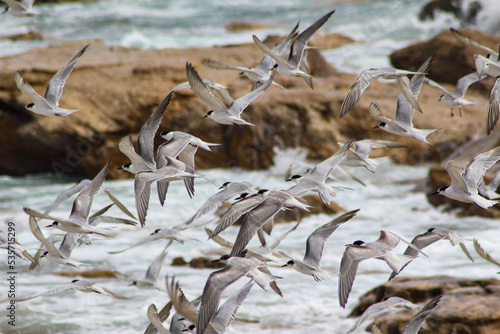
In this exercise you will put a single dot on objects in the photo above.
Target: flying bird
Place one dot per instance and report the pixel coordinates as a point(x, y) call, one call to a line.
point(49, 104)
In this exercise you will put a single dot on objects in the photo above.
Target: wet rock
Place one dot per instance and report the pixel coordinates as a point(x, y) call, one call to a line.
point(94, 273)
point(205, 262)
point(179, 261)
point(30, 35)
point(243, 25)
point(453, 59)
point(468, 306)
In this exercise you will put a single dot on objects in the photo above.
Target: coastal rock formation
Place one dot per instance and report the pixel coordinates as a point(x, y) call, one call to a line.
point(453, 59)
point(468, 305)
point(116, 89)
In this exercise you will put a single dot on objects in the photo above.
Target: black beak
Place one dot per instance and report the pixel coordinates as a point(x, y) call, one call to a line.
point(437, 192)
point(376, 127)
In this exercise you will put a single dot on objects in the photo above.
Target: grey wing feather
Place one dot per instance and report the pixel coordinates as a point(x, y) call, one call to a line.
point(237, 107)
point(67, 194)
point(145, 140)
point(413, 326)
point(201, 90)
point(483, 253)
point(56, 84)
point(493, 107)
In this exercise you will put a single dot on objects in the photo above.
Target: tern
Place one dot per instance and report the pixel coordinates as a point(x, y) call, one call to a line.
point(315, 243)
point(144, 159)
point(380, 308)
point(228, 190)
point(466, 40)
point(80, 285)
point(466, 176)
point(67, 194)
point(360, 155)
point(364, 79)
point(431, 236)
point(20, 8)
point(359, 250)
point(49, 104)
point(261, 73)
point(315, 179)
point(78, 221)
point(52, 253)
point(457, 97)
point(165, 233)
point(291, 66)
point(150, 280)
point(10, 243)
point(490, 191)
point(486, 67)
point(220, 113)
point(413, 326)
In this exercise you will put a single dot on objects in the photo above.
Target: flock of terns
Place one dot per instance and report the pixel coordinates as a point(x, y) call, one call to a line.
point(255, 207)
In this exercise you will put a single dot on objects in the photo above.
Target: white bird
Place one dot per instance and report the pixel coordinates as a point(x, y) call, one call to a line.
point(220, 113)
point(466, 176)
point(486, 67)
point(217, 282)
point(360, 155)
point(9, 242)
point(263, 213)
point(490, 191)
point(364, 79)
point(78, 221)
point(144, 159)
point(262, 72)
point(291, 66)
point(67, 194)
point(165, 233)
point(414, 324)
point(381, 308)
point(52, 253)
point(466, 40)
point(182, 146)
point(20, 8)
point(315, 243)
point(49, 104)
point(359, 250)
point(228, 190)
point(315, 179)
point(457, 97)
point(142, 186)
point(150, 280)
point(80, 285)
point(431, 236)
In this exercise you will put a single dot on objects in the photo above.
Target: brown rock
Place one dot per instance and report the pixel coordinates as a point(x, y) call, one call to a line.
point(179, 261)
point(243, 25)
point(30, 35)
point(453, 59)
point(94, 273)
point(468, 306)
point(205, 262)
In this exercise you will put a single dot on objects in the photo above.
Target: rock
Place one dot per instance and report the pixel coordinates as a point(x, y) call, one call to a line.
point(454, 7)
point(243, 25)
point(205, 262)
point(453, 59)
point(468, 306)
point(30, 35)
point(439, 177)
point(179, 261)
point(94, 273)
point(116, 89)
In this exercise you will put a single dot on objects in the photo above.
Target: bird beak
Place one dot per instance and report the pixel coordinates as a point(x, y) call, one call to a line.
point(50, 225)
point(215, 261)
point(289, 179)
point(205, 116)
point(437, 192)
point(376, 127)
point(286, 264)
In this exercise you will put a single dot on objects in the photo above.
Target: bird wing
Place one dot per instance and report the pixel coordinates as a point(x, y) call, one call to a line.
point(221, 66)
point(376, 114)
point(298, 46)
point(119, 204)
point(83, 202)
point(474, 172)
point(278, 59)
point(26, 88)
point(348, 267)
point(359, 85)
point(155, 267)
point(187, 157)
point(404, 109)
point(155, 319)
point(493, 107)
point(237, 107)
point(53, 290)
point(126, 147)
point(35, 229)
point(455, 168)
point(201, 90)
point(413, 326)
point(180, 302)
point(145, 140)
point(316, 241)
point(466, 40)
point(56, 84)
point(483, 253)
point(438, 86)
point(463, 83)
point(67, 194)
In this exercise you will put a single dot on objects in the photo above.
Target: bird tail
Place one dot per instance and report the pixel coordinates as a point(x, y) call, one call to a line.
point(320, 275)
point(485, 203)
point(397, 261)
